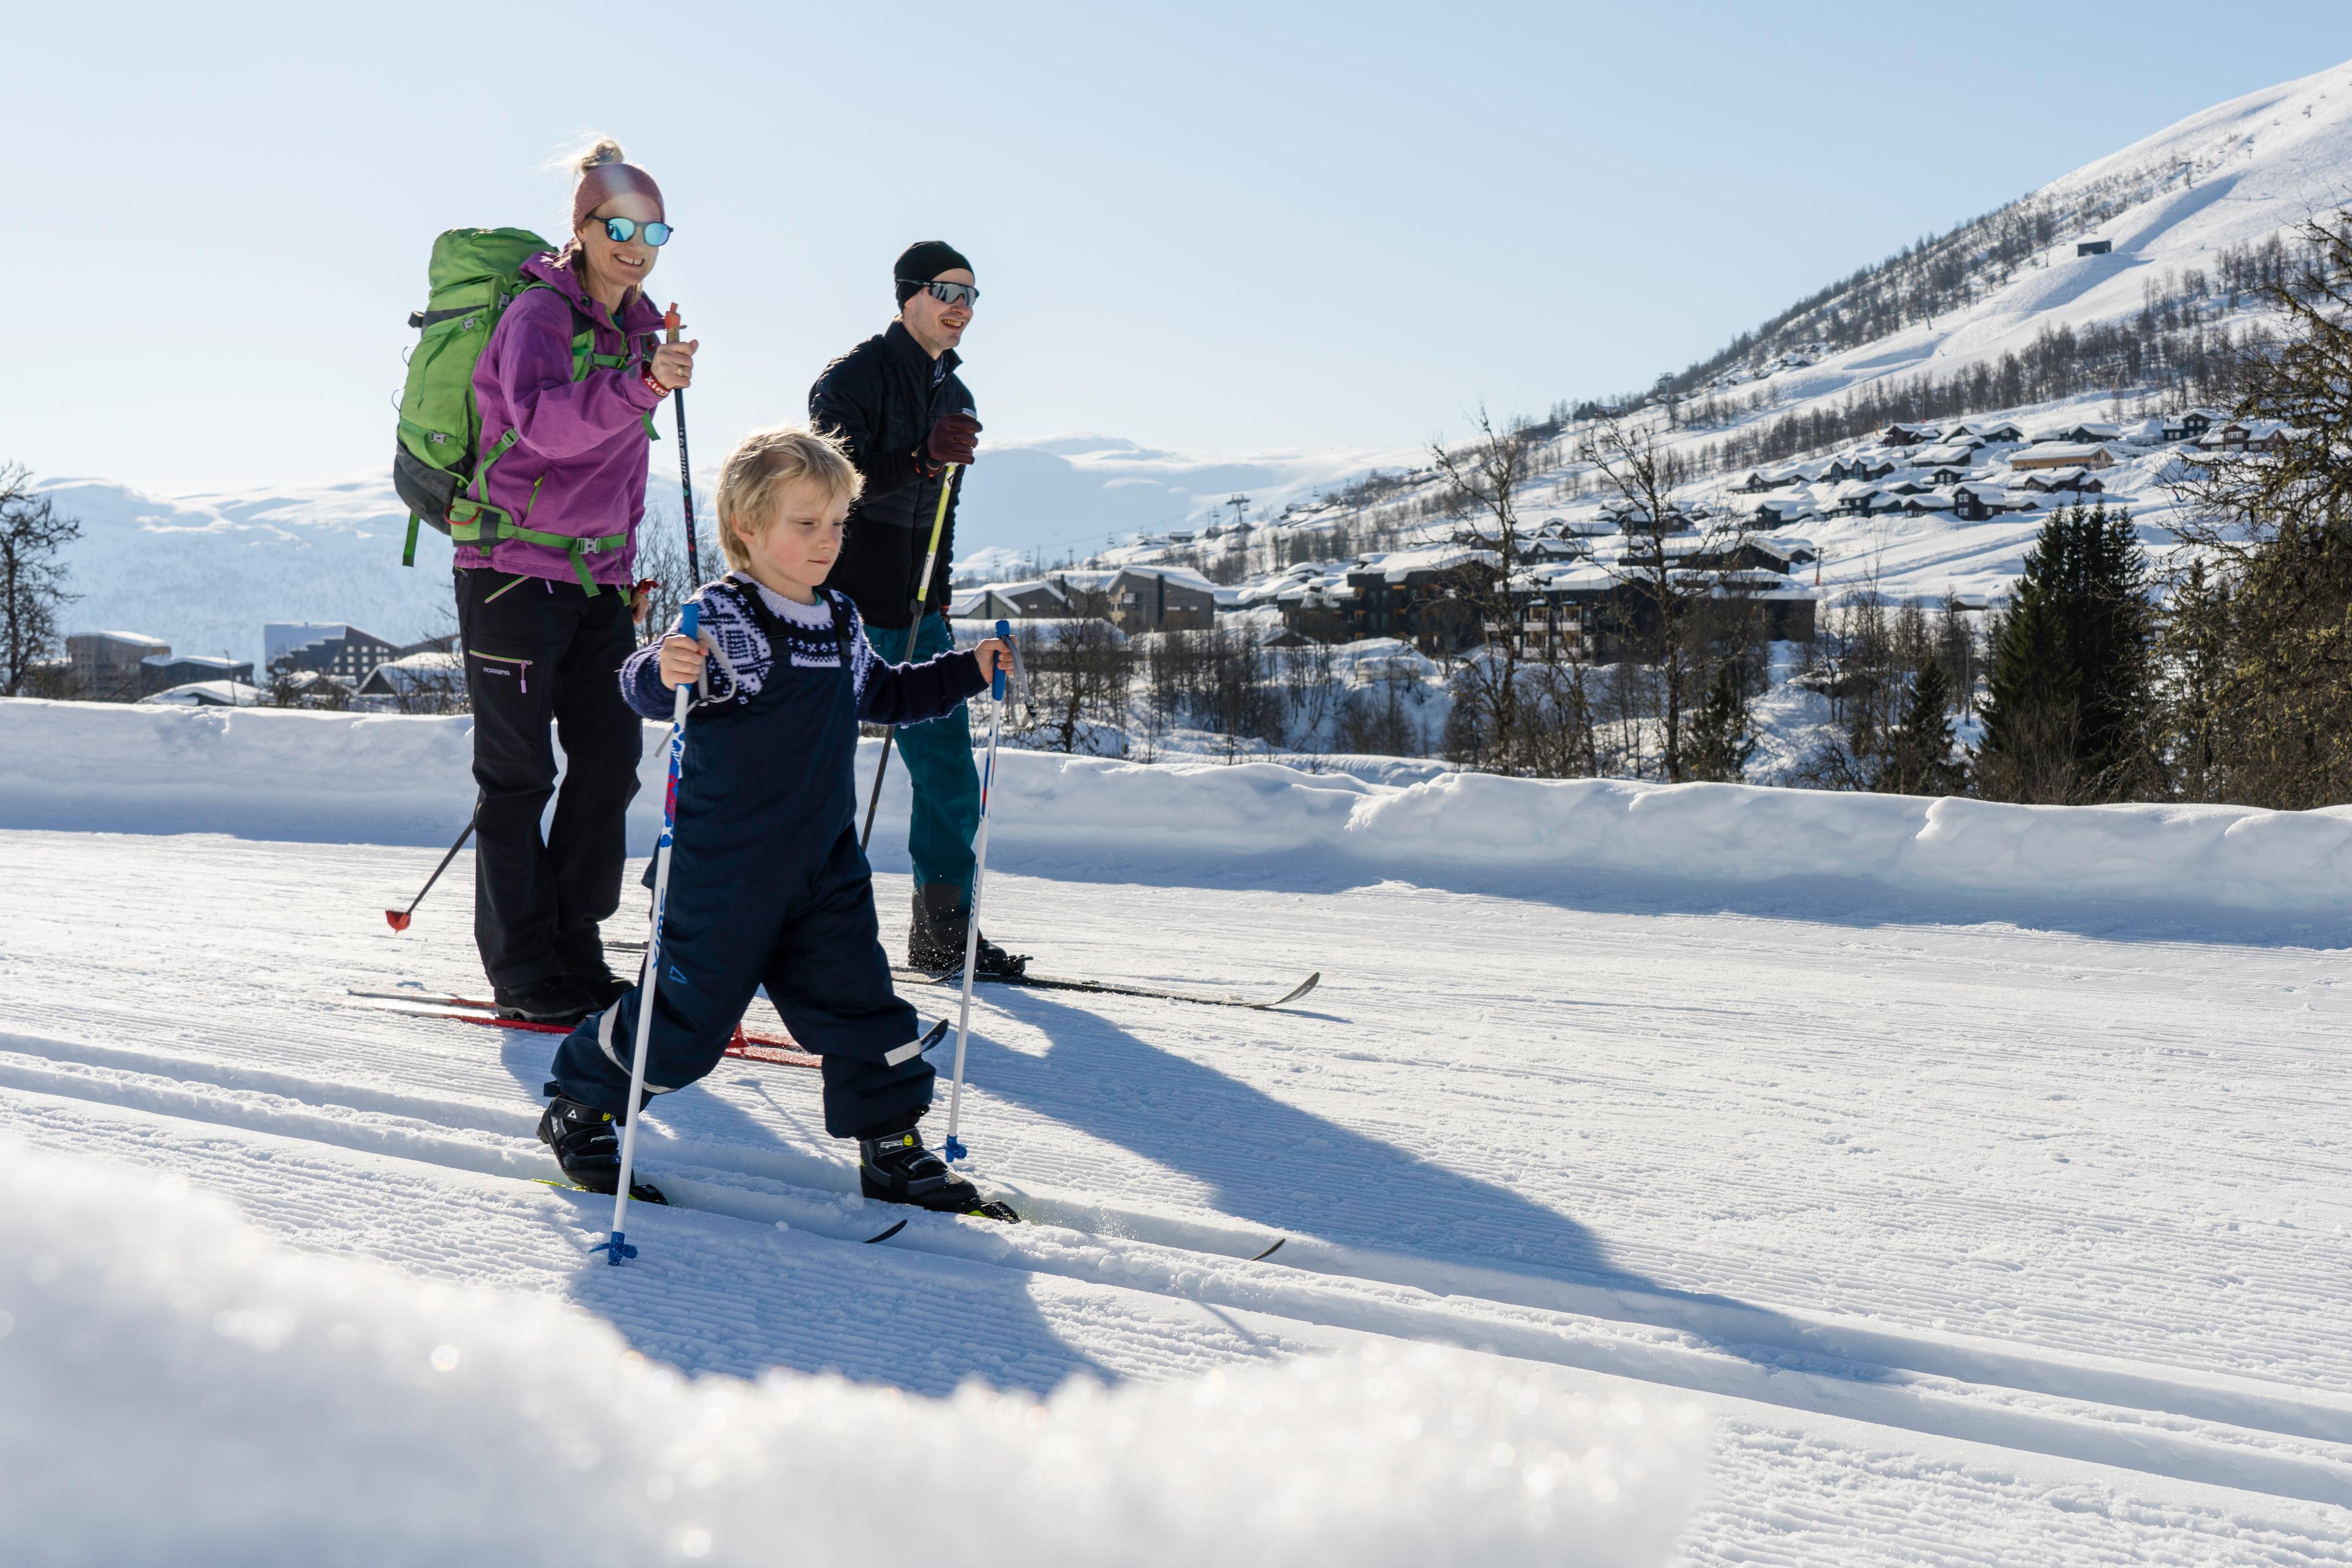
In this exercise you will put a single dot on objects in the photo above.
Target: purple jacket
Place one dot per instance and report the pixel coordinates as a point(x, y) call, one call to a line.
point(578, 463)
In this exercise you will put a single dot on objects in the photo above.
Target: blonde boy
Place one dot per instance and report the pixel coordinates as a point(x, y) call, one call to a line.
point(767, 883)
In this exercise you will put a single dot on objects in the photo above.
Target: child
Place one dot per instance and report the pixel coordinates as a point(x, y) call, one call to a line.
point(767, 883)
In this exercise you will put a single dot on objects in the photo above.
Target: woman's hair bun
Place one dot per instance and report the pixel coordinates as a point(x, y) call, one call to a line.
point(603, 151)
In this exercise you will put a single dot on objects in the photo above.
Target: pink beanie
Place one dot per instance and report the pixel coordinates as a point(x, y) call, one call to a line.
point(603, 182)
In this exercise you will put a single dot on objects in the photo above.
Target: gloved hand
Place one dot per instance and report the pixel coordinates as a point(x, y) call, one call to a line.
point(954, 439)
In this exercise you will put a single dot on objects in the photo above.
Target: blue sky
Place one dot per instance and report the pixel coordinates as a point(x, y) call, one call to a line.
point(1199, 226)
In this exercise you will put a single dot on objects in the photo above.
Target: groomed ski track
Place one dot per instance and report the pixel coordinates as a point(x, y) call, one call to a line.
point(1983, 1243)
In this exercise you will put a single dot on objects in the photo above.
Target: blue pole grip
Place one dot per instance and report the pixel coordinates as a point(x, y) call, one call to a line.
point(996, 689)
point(689, 619)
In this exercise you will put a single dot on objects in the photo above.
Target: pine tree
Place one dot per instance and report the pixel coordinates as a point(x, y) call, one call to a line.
point(1720, 741)
point(1917, 754)
point(2068, 704)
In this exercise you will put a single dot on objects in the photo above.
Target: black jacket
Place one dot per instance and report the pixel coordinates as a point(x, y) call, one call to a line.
point(879, 399)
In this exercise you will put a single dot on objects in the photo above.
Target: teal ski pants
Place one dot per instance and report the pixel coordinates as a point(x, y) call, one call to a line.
point(938, 754)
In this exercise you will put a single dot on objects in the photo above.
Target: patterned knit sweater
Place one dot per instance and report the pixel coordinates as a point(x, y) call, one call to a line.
point(743, 659)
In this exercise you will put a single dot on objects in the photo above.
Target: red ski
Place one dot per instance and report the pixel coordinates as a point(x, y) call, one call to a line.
point(780, 1049)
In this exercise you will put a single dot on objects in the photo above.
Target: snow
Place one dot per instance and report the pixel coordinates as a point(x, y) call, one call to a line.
point(402, 780)
point(1980, 1218)
point(207, 694)
point(228, 1378)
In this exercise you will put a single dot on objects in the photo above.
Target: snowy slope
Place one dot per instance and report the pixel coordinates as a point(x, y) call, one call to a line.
point(1981, 1223)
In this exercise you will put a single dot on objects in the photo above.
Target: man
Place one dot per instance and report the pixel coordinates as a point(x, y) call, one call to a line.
point(897, 403)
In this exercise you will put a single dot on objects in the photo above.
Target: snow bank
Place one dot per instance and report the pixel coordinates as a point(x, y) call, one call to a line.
point(326, 778)
point(181, 1389)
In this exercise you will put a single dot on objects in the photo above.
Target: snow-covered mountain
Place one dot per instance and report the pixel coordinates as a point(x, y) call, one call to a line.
point(205, 571)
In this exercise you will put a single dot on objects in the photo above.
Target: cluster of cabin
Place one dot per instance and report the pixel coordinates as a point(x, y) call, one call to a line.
point(331, 665)
point(1975, 471)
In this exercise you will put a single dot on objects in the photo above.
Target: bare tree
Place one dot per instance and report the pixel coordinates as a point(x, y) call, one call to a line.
point(1673, 616)
point(32, 578)
point(1482, 482)
point(661, 556)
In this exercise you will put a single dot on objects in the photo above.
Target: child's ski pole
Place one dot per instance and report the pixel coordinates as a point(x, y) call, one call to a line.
point(955, 1149)
point(689, 621)
point(398, 919)
point(685, 467)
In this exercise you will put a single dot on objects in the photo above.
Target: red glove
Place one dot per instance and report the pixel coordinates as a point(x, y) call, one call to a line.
point(954, 439)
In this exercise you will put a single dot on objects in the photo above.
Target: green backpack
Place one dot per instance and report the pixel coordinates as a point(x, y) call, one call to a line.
point(476, 273)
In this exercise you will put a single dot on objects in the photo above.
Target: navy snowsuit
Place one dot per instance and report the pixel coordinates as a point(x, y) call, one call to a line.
point(767, 883)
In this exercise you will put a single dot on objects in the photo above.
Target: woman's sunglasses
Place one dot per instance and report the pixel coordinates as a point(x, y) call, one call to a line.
point(621, 230)
point(947, 294)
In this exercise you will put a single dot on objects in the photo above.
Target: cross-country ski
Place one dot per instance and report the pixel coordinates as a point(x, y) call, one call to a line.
point(1399, 791)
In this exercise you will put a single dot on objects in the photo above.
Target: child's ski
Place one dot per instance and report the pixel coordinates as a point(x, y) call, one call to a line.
point(884, 1236)
point(1037, 981)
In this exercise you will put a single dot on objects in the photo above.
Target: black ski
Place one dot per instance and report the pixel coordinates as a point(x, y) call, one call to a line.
point(1037, 981)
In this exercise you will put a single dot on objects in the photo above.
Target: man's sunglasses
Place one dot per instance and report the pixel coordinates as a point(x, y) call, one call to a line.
point(947, 294)
point(621, 230)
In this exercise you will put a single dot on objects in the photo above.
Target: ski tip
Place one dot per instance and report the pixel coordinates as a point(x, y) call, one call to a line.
point(1295, 992)
point(1270, 1251)
point(888, 1234)
point(397, 919)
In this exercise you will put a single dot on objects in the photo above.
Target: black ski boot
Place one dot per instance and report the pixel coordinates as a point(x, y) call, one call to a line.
point(558, 999)
point(604, 986)
point(935, 938)
point(588, 1147)
point(895, 1168)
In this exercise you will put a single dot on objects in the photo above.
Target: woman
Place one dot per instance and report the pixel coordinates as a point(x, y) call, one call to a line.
point(566, 390)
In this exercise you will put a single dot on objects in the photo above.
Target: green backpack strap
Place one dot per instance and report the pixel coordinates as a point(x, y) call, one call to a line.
point(470, 512)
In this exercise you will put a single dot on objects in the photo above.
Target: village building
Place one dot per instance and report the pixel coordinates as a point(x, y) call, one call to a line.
point(2062, 455)
point(1009, 602)
point(2080, 481)
point(161, 673)
point(2248, 436)
point(206, 694)
point(2077, 435)
point(111, 665)
point(333, 649)
point(2188, 427)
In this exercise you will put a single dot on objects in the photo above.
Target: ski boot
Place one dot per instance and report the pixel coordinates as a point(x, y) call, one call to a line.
point(604, 986)
point(895, 1168)
point(588, 1149)
point(935, 938)
point(557, 999)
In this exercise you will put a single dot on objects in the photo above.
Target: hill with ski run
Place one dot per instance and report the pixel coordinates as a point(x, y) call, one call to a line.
point(2002, 322)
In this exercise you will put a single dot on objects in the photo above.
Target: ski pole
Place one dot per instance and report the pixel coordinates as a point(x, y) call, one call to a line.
point(955, 1149)
point(689, 620)
point(398, 919)
point(685, 468)
point(914, 628)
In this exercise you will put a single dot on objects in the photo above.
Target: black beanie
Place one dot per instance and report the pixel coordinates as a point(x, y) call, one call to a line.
point(922, 261)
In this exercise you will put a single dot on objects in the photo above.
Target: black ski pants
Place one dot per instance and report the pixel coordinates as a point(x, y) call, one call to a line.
point(538, 652)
